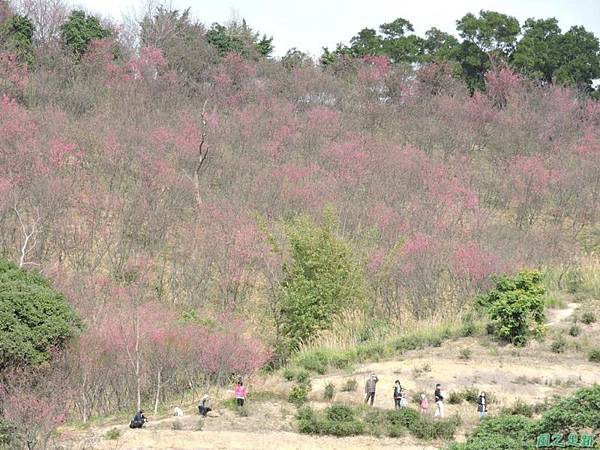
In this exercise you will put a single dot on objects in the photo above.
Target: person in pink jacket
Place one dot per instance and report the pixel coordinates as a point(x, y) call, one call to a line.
point(241, 392)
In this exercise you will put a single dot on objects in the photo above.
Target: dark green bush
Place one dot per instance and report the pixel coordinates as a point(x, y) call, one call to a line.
point(574, 413)
point(340, 421)
point(405, 417)
point(469, 328)
point(454, 398)
point(577, 413)
point(519, 408)
point(466, 354)
point(342, 428)
point(113, 434)
point(518, 427)
point(329, 392)
point(339, 413)
point(559, 345)
point(594, 355)
point(516, 306)
point(34, 317)
point(289, 374)
point(303, 377)
point(6, 431)
point(307, 421)
point(350, 385)
point(574, 281)
point(492, 442)
point(471, 395)
point(343, 420)
point(298, 394)
point(575, 330)
point(588, 317)
point(428, 429)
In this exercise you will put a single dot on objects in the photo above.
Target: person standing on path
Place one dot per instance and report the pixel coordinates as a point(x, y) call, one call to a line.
point(240, 393)
point(424, 404)
point(370, 386)
point(439, 401)
point(482, 405)
point(397, 394)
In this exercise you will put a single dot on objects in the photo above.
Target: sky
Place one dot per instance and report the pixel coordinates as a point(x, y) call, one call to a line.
point(310, 25)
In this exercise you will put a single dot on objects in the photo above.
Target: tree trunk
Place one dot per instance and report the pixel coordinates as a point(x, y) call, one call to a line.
point(157, 392)
point(137, 361)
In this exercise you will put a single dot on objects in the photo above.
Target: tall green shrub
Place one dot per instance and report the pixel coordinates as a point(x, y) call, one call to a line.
point(34, 317)
point(516, 306)
point(322, 278)
point(79, 30)
point(16, 35)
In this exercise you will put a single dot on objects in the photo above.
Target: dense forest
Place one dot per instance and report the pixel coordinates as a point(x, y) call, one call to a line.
point(183, 206)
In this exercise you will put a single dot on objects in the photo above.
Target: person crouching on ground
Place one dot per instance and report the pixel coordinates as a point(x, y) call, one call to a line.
point(370, 386)
point(203, 407)
point(138, 420)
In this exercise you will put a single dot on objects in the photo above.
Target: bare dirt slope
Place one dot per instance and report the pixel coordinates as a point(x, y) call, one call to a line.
point(532, 374)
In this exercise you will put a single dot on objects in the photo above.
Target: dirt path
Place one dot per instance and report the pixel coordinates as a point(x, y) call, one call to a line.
point(196, 440)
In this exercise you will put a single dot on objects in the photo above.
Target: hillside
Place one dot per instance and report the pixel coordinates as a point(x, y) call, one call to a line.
point(180, 210)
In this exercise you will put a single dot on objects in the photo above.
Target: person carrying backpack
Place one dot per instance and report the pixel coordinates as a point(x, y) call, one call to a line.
point(439, 401)
point(138, 420)
point(370, 386)
point(482, 405)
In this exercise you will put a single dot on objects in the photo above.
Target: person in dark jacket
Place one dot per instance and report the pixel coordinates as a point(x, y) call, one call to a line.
point(138, 420)
point(203, 407)
point(438, 395)
point(482, 405)
point(370, 386)
point(397, 394)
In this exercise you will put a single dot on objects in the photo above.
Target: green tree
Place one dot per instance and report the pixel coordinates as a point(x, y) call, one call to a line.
point(394, 41)
point(240, 38)
point(579, 58)
point(322, 278)
point(294, 58)
point(538, 52)
point(491, 31)
point(439, 46)
point(398, 44)
point(79, 30)
point(34, 317)
point(487, 37)
point(545, 54)
point(16, 35)
point(182, 41)
point(366, 42)
point(516, 306)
